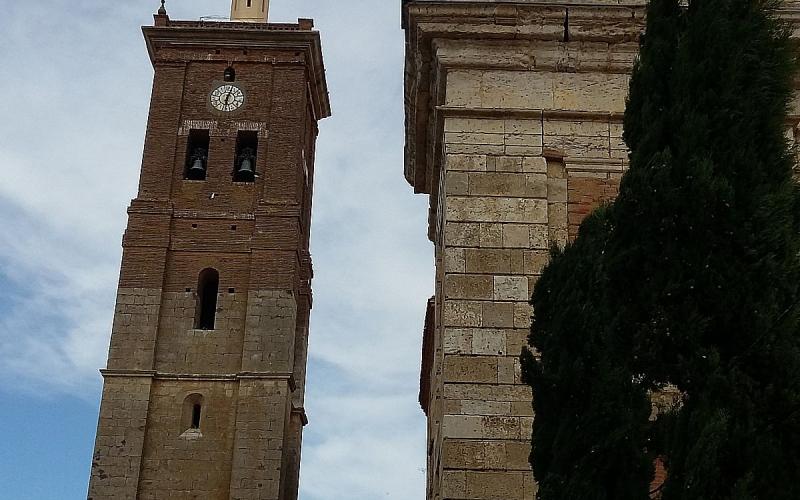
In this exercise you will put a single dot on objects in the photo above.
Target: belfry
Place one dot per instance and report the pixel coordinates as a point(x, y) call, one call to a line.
point(203, 393)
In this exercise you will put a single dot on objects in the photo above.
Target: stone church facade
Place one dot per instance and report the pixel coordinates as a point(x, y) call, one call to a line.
point(514, 130)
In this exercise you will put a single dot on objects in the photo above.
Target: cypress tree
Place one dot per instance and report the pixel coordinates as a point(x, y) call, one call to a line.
point(703, 259)
point(591, 429)
point(695, 271)
point(591, 418)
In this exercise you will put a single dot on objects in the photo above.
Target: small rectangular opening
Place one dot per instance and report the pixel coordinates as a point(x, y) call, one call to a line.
point(244, 168)
point(197, 155)
point(196, 409)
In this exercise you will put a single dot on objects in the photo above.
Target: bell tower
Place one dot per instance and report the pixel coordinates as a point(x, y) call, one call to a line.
point(204, 388)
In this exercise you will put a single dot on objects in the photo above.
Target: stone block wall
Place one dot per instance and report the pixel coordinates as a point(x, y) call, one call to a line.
point(180, 463)
point(514, 130)
point(270, 332)
point(133, 332)
point(261, 417)
point(182, 348)
point(521, 140)
point(120, 438)
point(508, 191)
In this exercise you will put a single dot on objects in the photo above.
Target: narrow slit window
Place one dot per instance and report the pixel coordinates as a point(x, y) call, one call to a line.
point(196, 411)
point(249, 3)
point(207, 289)
point(197, 155)
point(244, 169)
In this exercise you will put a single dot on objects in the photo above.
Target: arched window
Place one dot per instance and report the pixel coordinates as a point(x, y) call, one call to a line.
point(207, 289)
point(192, 415)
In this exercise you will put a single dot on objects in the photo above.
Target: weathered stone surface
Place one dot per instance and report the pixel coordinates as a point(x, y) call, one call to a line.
point(457, 183)
point(491, 235)
point(455, 260)
point(498, 315)
point(535, 260)
point(509, 184)
point(458, 234)
point(533, 124)
point(489, 261)
point(536, 90)
point(462, 313)
point(496, 209)
point(465, 286)
point(537, 164)
point(478, 426)
point(474, 369)
point(494, 485)
point(466, 162)
point(489, 342)
point(511, 288)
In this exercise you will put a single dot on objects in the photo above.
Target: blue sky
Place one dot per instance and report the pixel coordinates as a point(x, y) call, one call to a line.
point(75, 86)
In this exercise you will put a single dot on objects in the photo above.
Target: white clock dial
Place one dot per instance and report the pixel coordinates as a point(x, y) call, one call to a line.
point(226, 98)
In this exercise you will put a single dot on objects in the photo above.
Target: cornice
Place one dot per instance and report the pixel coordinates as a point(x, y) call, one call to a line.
point(509, 35)
point(300, 412)
point(447, 35)
point(203, 35)
point(201, 377)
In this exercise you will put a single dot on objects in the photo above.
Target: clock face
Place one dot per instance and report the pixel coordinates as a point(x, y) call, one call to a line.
point(226, 98)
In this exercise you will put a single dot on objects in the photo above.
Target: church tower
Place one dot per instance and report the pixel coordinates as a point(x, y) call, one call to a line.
point(204, 387)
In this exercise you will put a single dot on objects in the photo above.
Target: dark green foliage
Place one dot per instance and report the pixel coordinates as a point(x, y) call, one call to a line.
point(591, 417)
point(694, 274)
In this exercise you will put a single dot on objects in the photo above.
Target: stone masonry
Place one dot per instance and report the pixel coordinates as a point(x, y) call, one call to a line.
point(216, 412)
point(514, 130)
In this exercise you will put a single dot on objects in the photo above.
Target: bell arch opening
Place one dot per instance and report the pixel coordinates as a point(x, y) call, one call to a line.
point(244, 168)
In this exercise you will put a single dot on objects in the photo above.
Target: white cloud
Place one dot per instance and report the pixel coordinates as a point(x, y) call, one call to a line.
point(69, 162)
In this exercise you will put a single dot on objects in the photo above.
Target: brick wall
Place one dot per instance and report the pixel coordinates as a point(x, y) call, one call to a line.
point(244, 373)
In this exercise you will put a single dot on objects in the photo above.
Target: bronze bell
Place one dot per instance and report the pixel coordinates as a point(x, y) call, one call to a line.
point(198, 169)
point(246, 170)
point(246, 167)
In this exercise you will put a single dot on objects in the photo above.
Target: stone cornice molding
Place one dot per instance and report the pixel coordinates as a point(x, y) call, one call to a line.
point(442, 36)
point(254, 36)
point(450, 35)
point(300, 412)
point(220, 377)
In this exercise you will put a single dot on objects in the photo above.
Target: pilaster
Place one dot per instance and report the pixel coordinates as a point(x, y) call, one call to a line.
point(514, 129)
